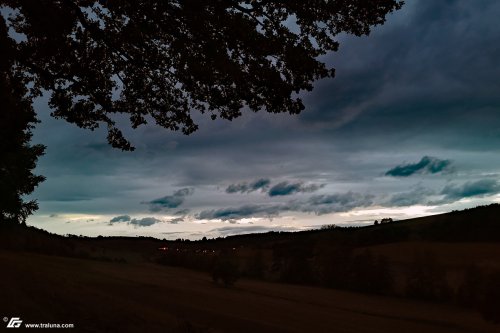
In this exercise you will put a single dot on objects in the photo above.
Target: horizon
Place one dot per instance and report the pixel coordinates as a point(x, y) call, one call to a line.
point(355, 225)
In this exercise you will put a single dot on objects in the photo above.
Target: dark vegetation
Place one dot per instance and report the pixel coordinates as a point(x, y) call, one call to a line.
point(164, 60)
point(350, 258)
point(17, 156)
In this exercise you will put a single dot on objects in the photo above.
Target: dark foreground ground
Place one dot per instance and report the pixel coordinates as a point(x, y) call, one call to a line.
point(101, 296)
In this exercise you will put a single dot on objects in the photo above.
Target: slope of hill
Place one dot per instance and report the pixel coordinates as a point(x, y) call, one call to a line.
point(100, 296)
point(450, 259)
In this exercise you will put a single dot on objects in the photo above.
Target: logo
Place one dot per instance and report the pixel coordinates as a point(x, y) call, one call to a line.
point(15, 322)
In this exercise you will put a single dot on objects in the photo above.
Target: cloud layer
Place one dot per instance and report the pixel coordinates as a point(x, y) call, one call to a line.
point(318, 204)
point(479, 188)
point(426, 165)
point(169, 201)
point(259, 184)
point(287, 188)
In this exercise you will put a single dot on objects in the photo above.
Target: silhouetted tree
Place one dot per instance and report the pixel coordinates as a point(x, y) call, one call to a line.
point(162, 60)
point(329, 227)
point(17, 157)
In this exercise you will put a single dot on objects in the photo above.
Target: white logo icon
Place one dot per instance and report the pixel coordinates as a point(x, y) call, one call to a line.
point(15, 322)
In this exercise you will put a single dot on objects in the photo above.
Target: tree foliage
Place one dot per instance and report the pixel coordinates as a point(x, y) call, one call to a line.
point(17, 157)
point(163, 61)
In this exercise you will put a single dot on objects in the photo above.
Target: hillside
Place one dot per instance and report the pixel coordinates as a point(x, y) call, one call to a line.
point(116, 297)
point(448, 262)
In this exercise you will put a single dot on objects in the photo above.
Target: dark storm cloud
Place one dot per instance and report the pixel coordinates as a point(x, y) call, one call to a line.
point(410, 81)
point(479, 188)
point(169, 201)
point(259, 184)
point(121, 218)
point(286, 188)
point(318, 204)
point(417, 196)
point(426, 165)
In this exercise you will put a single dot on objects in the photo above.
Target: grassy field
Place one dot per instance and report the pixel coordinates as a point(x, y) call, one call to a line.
point(142, 297)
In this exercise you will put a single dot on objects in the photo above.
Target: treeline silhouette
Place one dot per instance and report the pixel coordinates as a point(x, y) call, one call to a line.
point(17, 237)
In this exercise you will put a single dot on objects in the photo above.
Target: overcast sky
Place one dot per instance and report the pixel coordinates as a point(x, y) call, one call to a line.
point(410, 126)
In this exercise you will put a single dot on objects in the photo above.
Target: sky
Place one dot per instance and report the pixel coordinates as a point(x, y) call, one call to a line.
point(409, 127)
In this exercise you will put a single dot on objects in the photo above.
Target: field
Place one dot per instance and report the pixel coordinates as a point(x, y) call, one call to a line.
point(100, 296)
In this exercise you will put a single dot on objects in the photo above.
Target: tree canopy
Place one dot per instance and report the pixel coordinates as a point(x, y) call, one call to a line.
point(157, 61)
point(162, 60)
point(17, 157)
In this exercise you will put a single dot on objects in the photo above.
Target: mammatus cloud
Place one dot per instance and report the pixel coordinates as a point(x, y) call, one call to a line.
point(479, 188)
point(144, 222)
point(318, 204)
point(286, 188)
point(259, 184)
point(169, 201)
point(426, 165)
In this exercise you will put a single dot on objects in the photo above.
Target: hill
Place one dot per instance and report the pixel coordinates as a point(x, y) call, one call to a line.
point(98, 296)
point(450, 260)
